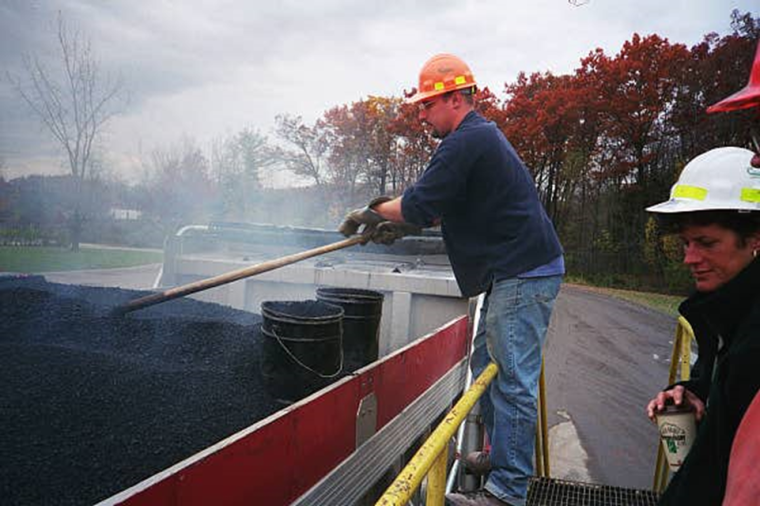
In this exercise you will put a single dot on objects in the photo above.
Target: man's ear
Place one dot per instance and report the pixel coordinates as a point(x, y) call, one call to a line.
point(456, 99)
point(754, 241)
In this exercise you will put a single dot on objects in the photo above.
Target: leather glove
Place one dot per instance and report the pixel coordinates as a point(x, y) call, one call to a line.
point(363, 216)
point(388, 232)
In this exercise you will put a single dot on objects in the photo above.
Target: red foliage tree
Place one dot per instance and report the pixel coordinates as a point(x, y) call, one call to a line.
point(415, 145)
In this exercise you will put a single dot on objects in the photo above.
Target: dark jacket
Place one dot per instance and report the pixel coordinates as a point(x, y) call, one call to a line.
point(726, 376)
point(493, 223)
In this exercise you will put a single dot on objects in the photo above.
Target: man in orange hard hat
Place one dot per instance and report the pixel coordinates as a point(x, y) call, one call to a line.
point(500, 242)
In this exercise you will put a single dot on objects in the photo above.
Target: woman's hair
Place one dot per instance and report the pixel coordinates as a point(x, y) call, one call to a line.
point(745, 224)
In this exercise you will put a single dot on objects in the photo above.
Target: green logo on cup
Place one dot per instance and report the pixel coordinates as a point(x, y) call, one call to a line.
point(674, 436)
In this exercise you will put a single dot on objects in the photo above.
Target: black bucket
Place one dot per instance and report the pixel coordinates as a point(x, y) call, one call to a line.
point(302, 348)
point(361, 323)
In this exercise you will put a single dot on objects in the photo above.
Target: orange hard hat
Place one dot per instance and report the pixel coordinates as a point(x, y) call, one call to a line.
point(441, 74)
point(748, 96)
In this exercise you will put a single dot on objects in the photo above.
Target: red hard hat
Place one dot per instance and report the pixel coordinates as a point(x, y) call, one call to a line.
point(748, 96)
point(441, 74)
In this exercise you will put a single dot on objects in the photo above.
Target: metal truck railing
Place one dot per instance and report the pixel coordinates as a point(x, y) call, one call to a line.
point(681, 357)
point(432, 458)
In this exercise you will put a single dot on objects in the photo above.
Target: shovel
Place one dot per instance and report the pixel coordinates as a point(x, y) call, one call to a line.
point(222, 279)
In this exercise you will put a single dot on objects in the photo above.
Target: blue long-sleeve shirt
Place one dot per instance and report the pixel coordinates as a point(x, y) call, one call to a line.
point(492, 220)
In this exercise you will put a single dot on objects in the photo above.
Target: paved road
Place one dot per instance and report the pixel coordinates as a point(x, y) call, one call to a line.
point(604, 360)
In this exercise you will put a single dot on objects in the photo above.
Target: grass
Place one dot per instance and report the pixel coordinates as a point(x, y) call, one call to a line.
point(667, 304)
point(29, 259)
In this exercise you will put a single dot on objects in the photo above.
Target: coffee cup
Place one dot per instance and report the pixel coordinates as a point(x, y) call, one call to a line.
point(678, 428)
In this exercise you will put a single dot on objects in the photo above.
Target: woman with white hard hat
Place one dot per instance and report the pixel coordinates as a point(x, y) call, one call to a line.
point(715, 208)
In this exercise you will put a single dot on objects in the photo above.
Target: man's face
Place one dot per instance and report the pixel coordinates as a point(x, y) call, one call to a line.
point(437, 113)
point(714, 254)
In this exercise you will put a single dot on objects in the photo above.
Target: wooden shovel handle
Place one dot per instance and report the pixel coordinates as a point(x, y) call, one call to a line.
point(222, 279)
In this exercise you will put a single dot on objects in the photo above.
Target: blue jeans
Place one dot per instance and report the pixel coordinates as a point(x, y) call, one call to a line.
point(511, 332)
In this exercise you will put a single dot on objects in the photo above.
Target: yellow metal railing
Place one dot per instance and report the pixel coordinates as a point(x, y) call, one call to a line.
point(681, 356)
point(432, 458)
point(542, 430)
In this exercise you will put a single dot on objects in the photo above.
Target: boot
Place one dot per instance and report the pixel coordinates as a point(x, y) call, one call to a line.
point(478, 462)
point(479, 498)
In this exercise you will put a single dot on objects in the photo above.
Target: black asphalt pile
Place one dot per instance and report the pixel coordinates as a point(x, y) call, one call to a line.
point(92, 403)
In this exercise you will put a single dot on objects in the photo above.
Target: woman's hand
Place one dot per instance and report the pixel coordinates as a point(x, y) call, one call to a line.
point(679, 396)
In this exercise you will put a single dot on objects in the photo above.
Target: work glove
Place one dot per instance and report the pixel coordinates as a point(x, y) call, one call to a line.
point(363, 216)
point(388, 232)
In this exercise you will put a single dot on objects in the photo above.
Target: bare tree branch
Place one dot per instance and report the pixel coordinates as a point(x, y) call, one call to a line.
point(306, 159)
point(74, 104)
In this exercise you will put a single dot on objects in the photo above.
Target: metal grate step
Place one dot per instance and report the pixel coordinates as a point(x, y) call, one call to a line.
point(553, 492)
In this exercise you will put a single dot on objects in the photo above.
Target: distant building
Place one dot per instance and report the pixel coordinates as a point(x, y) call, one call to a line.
point(124, 214)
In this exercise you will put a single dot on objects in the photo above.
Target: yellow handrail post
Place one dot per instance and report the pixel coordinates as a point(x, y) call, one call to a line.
point(403, 487)
point(544, 427)
point(659, 469)
point(664, 473)
point(436, 485)
point(687, 334)
point(539, 452)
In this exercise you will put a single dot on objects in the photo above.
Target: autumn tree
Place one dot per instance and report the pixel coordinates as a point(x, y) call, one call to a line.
point(362, 150)
point(717, 67)
point(415, 146)
point(348, 155)
point(638, 88)
point(306, 148)
point(541, 119)
point(383, 144)
point(74, 101)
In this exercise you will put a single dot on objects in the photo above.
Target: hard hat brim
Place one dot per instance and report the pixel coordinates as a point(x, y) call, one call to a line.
point(673, 206)
point(749, 96)
point(745, 98)
point(676, 206)
point(420, 96)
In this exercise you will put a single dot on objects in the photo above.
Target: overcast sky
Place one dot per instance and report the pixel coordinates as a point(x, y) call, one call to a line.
point(205, 69)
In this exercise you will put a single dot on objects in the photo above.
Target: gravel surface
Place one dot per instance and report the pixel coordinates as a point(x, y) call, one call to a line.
point(92, 403)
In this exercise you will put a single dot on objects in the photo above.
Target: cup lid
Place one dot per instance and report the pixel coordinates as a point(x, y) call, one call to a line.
point(672, 409)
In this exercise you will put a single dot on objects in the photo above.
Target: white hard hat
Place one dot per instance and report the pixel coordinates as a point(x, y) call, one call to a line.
point(720, 179)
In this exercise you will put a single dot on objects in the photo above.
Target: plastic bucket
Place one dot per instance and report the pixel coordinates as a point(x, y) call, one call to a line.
point(361, 322)
point(302, 347)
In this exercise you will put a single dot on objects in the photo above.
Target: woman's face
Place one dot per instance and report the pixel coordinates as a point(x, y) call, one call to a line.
point(714, 254)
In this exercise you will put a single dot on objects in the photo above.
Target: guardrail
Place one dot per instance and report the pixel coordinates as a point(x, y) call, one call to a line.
point(680, 358)
point(432, 457)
